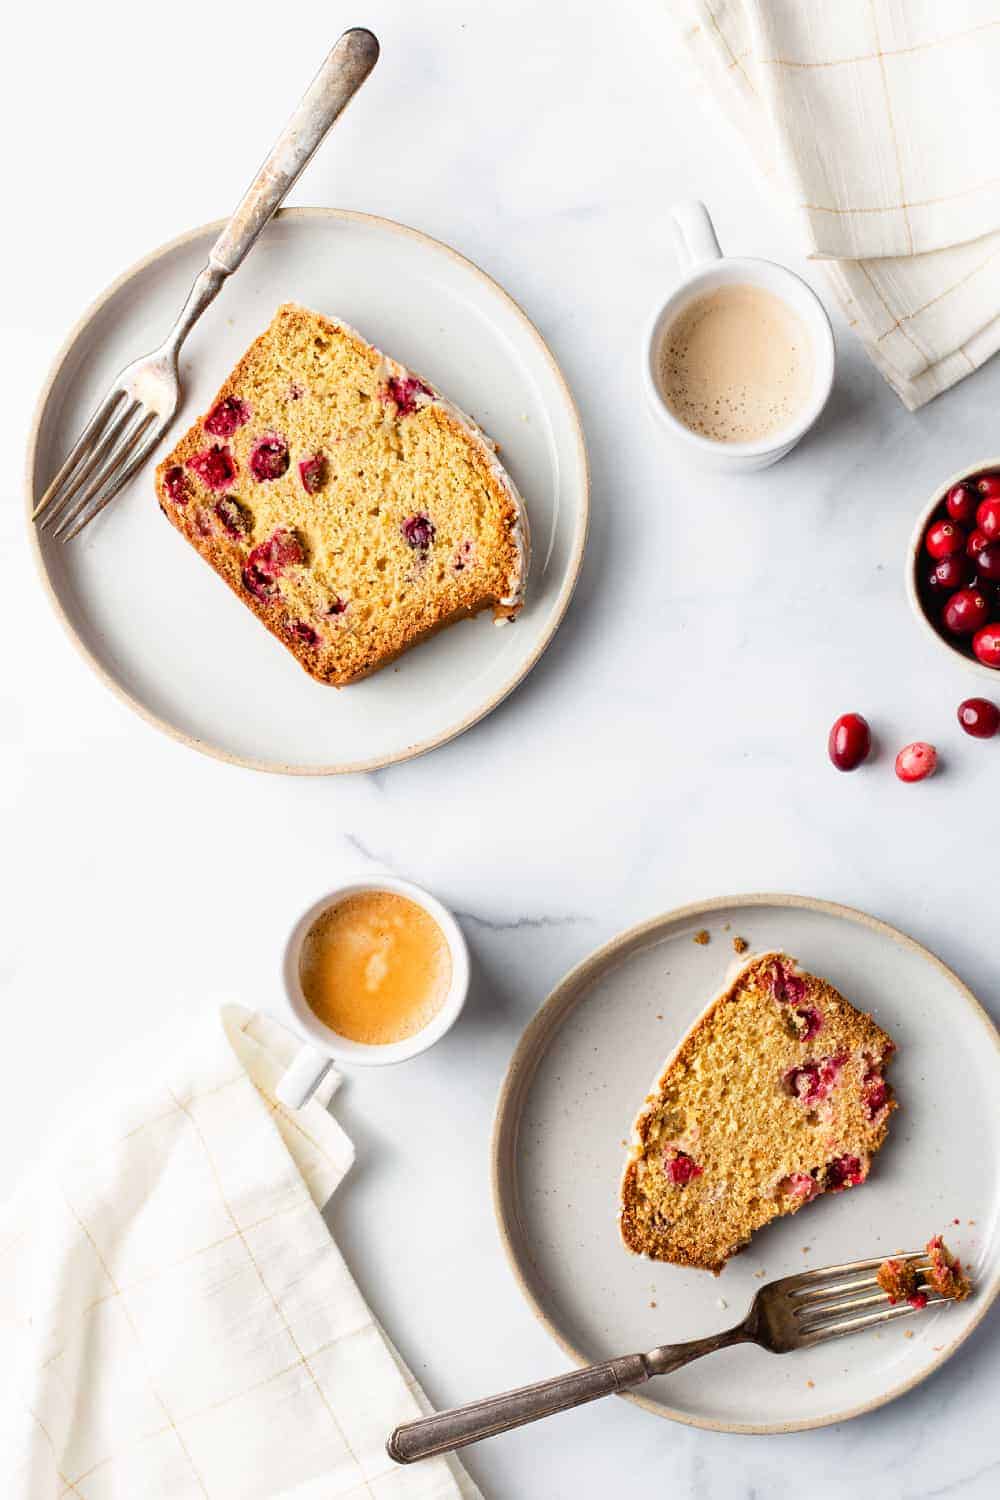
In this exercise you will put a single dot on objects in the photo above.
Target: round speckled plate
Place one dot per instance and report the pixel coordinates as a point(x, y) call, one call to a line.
point(577, 1079)
point(165, 634)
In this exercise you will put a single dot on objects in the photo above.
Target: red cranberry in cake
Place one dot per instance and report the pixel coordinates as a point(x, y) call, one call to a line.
point(215, 467)
point(874, 1092)
point(336, 606)
point(979, 717)
point(226, 416)
point(314, 472)
point(785, 984)
point(986, 645)
point(943, 538)
point(305, 633)
point(269, 458)
point(679, 1166)
point(812, 1081)
point(419, 531)
point(807, 1023)
point(405, 394)
point(916, 762)
point(961, 504)
point(800, 1185)
point(263, 586)
point(269, 560)
point(850, 742)
point(844, 1172)
point(176, 484)
point(236, 518)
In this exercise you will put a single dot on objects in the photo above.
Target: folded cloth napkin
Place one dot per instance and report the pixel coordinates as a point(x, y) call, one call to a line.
point(878, 122)
point(178, 1323)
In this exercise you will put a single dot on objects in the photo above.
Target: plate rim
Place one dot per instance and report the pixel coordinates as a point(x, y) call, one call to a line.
point(209, 748)
point(524, 1061)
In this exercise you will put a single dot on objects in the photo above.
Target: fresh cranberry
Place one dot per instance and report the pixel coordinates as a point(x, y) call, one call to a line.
point(237, 521)
point(849, 742)
point(988, 517)
point(916, 762)
point(952, 572)
point(843, 1172)
point(680, 1167)
point(404, 393)
point(810, 1021)
point(786, 987)
point(304, 633)
point(966, 611)
point(215, 467)
point(977, 541)
point(943, 538)
point(419, 531)
point(176, 485)
point(269, 459)
point(313, 473)
point(988, 485)
point(961, 504)
point(986, 645)
point(336, 605)
point(226, 416)
point(979, 717)
point(987, 562)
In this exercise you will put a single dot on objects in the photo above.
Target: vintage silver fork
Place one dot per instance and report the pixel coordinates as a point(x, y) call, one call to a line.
point(797, 1312)
point(144, 397)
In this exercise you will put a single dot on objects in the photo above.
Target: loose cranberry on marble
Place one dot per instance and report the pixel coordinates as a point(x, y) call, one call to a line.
point(215, 467)
point(226, 416)
point(986, 645)
point(988, 517)
point(966, 612)
point(916, 762)
point(979, 717)
point(943, 538)
point(269, 459)
point(849, 742)
point(961, 504)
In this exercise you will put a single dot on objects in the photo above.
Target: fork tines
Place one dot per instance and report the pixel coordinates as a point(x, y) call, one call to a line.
point(843, 1299)
point(118, 438)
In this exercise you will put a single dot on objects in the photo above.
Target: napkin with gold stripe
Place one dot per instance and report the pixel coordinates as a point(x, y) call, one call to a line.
point(877, 122)
point(178, 1323)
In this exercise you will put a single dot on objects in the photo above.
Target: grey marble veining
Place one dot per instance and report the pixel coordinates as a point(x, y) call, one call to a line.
point(670, 744)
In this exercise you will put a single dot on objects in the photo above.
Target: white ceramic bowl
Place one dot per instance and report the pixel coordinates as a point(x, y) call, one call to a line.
point(364, 1054)
point(914, 556)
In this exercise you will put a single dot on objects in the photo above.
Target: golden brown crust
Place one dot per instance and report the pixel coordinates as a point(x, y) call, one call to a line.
point(346, 539)
point(731, 1136)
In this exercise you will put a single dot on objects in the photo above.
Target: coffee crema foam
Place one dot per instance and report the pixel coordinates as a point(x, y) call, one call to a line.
point(736, 364)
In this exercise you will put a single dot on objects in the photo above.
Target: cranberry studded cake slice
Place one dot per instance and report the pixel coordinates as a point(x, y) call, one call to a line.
point(350, 506)
point(776, 1095)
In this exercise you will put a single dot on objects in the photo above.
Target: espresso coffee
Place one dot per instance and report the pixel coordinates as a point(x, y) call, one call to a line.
point(375, 967)
point(736, 364)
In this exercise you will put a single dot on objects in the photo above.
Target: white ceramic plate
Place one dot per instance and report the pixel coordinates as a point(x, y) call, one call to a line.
point(577, 1079)
point(165, 632)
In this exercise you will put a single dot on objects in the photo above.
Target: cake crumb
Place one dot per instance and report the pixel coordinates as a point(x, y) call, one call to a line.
point(726, 926)
point(811, 1384)
point(760, 1273)
point(702, 936)
point(806, 1249)
point(659, 1015)
point(740, 945)
point(652, 1304)
point(721, 1301)
point(908, 1333)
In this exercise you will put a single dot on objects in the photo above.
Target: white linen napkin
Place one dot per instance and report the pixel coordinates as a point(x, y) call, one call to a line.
point(878, 122)
point(178, 1323)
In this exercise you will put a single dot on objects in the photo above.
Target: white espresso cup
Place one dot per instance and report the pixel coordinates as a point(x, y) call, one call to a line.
point(704, 269)
point(322, 1047)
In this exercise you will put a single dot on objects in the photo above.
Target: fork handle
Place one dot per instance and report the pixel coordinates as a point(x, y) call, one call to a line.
point(482, 1419)
point(336, 83)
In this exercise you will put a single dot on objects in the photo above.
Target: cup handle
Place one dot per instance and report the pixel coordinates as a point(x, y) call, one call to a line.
point(302, 1078)
point(694, 234)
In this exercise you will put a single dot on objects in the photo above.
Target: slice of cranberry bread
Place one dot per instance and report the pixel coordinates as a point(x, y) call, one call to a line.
point(775, 1095)
point(350, 506)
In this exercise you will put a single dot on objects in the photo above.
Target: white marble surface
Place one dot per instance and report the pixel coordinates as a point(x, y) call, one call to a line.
point(670, 745)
